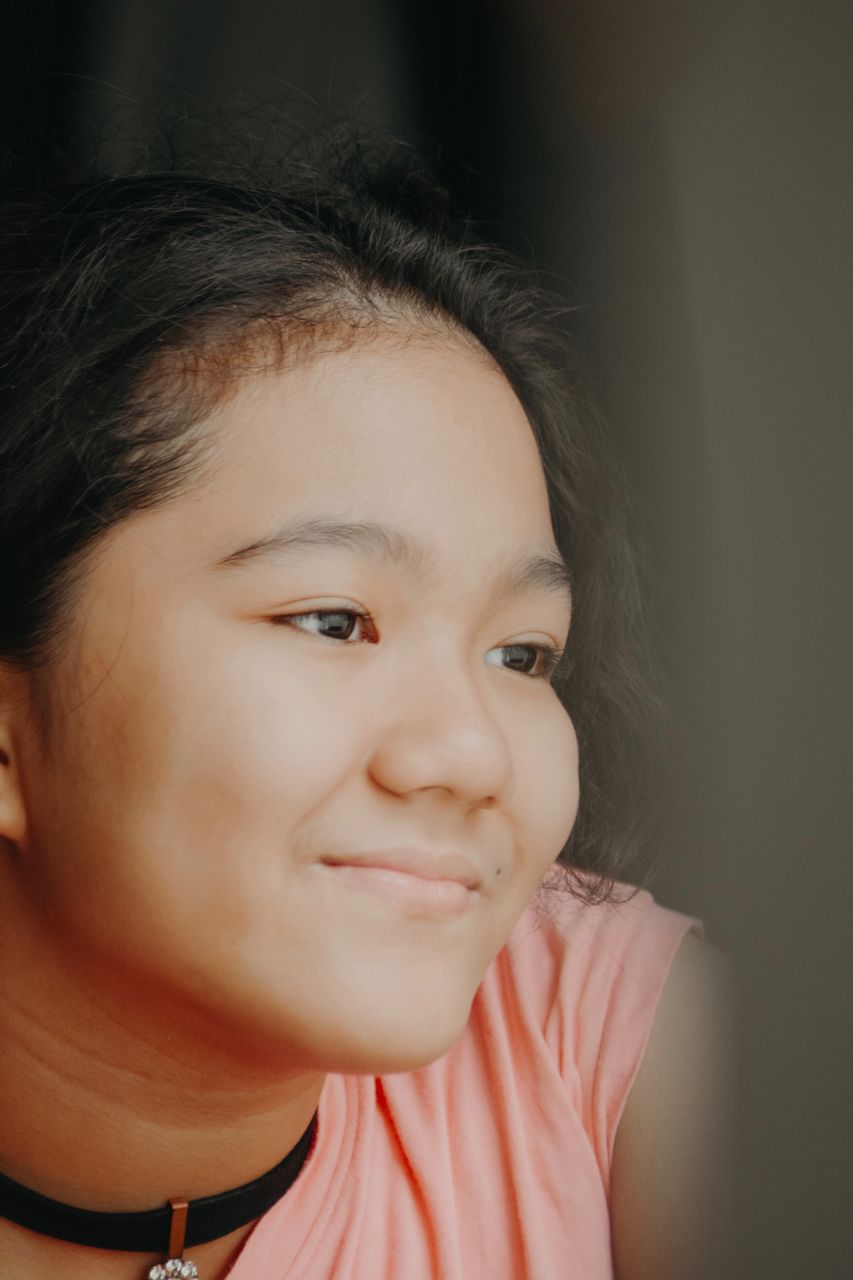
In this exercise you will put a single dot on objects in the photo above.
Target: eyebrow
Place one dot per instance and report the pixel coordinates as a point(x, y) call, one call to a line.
point(542, 571)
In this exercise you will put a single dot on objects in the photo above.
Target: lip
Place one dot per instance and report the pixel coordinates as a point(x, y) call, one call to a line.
point(423, 863)
point(425, 883)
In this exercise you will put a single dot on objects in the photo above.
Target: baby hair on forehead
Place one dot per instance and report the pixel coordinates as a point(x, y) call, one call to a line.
point(134, 303)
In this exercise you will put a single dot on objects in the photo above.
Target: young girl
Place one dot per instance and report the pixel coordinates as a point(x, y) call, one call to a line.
point(319, 956)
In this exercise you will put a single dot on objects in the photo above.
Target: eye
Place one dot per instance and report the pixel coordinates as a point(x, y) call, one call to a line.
point(354, 626)
point(347, 625)
point(535, 660)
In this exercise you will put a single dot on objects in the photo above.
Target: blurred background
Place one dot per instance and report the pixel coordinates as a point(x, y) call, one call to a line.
point(681, 172)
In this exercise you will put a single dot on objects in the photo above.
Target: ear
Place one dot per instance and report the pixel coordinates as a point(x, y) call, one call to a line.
point(14, 699)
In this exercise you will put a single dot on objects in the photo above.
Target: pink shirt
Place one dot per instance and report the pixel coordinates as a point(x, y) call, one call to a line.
point(492, 1163)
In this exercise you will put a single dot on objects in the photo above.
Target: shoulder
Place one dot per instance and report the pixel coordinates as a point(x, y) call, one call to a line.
point(672, 1160)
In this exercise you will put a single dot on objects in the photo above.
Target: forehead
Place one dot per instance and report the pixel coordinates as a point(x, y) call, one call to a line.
point(417, 433)
point(419, 427)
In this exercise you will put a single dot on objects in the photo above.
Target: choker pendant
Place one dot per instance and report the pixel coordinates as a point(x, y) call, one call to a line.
point(176, 1267)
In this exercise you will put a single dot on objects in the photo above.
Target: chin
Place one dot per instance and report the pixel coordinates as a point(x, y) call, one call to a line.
point(395, 1059)
point(417, 1053)
point(388, 1050)
point(370, 1027)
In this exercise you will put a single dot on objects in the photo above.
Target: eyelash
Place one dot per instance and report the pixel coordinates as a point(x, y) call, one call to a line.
point(546, 654)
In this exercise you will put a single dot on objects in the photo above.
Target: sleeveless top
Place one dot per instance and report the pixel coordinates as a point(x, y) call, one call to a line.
point(493, 1162)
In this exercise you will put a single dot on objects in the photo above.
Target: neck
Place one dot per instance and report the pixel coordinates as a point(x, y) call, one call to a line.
point(101, 1114)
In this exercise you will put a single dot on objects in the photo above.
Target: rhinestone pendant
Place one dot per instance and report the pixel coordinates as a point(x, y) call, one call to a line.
point(174, 1269)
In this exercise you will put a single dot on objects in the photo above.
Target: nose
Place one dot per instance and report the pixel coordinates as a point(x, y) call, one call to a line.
point(441, 734)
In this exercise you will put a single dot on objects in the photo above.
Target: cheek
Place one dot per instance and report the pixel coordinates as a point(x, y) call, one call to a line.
point(548, 784)
point(184, 802)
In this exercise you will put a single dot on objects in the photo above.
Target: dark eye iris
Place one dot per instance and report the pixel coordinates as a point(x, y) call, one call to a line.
point(522, 657)
point(336, 625)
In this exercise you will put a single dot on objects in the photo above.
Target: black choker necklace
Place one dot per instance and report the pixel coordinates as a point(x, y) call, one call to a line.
point(167, 1230)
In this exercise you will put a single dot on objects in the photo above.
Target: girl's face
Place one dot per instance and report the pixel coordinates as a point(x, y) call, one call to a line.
point(327, 649)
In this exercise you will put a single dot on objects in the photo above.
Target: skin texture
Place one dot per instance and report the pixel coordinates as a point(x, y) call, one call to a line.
point(186, 971)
